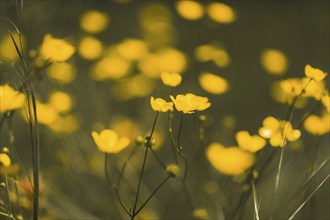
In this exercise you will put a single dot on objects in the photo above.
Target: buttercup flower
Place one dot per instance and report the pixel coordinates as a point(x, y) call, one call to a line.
point(160, 105)
point(200, 214)
point(5, 160)
point(189, 103)
point(314, 73)
point(317, 125)
point(326, 102)
point(55, 49)
point(229, 160)
point(276, 130)
point(173, 170)
point(10, 99)
point(251, 143)
point(109, 142)
point(171, 79)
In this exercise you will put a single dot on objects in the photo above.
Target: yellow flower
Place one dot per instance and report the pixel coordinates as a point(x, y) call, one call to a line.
point(213, 84)
point(276, 130)
point(10, 99)
point(160, 105)
point(62, 73)
point(109, 142)
point(55, 49)
point(251, 143)
point(326, 102)
point(189, 103)
point(274, 61)
point(173, 170)
point(61, 101)
point(229, 160)
point(90, 48)
point(94, 21)
point(317, 125)
point(5, 160)
point(190, 10)
point(314, 73)
point(200, 214)
point(171, 79)
point(221, 13)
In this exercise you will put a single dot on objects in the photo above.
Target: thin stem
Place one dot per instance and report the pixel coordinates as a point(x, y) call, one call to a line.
point(187, 195)
point(139, 183)
point(152, 194)
point(309, 197)
point(121, 202)
point(105, 166)
point(179, 134)
point(174, 144)
point(153, 126)
point(255, 202)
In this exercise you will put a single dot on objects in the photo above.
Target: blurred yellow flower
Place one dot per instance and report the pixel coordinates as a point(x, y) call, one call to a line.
point(171, 79)
point(221, 13)
point(209, 52)
point(160, 105)
point(110, 68)
point(274, 61)
point(314, 73)
point(132, 49)
point(10, 99)
point(90, 48)
point(291, 86)
point(278, 132)
point(94, 21)
point(46, 113)
point(55, 49)
point(109, 142)
point(213, 84)
point(190, 10)
point(317, 125)
point(61, 101)
point(229, 160)
point(62, 73)
point(251, 143)
point(189, 103)
point(5, 160)
point(7, 48)
point(66, 124)
point(279, 95)
point(326, 102)
point(173, 170)
point(200, 214)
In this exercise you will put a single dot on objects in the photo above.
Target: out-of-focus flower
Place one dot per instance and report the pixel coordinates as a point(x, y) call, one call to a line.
point(173, 170)
point(90, 48)
point(213, 84)
point(46, 113)
point(110, 68)
point(274, 61)
point(221, 13)
point(55, 49)
point(5, 159)
point(61, 101)
point(278, 132)
point(171, 79)
point(10, 99)
point(229, 160)
point(189, 103)
point(326, 102)
point(317, 125)
point(251, 143)
point(191, 10)
point(62, 73)
point(132, 49)
point(200, 214)
point(94, 21)
point(160, 105)
point(66, 124)
point(7, 48)
point(210, 52)
point(109, 142)
point(314, 73)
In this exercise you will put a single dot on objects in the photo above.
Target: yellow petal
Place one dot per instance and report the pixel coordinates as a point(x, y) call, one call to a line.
point(213, 84)
point(314, 73)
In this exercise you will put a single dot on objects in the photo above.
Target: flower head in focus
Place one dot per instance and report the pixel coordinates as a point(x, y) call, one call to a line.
point(10, 99)
point(314, 73)
point(189, 103)
point(109, 142)
point(171, 79)
point(160, 105)
point(278, 132)
point(55, 49)
point(251, 143)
